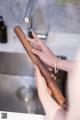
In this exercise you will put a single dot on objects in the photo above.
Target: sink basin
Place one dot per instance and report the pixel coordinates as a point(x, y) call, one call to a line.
point(18, 92)
point(16, 64)
point(16, 76)
point(10, 87)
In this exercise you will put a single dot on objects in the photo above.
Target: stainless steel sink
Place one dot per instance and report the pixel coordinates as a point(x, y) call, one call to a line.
point(16, 76)
point(18, 92)
point(16, 64)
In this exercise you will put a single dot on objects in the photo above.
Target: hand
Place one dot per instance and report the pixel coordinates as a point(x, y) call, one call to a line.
point(44, 53)
point(52, 110)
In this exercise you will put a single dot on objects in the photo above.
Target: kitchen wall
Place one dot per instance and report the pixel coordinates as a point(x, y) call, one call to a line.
point(62, 18)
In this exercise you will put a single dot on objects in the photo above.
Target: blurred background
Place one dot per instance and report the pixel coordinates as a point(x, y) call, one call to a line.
point(61, 18)
point(57, 22)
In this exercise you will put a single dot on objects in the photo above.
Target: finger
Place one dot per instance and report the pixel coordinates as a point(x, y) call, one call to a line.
point(34, 43)
point(39, 41)
point(29, 39)
point(49, 91)
point(50, 69)
point(38, 76)
point(34, 35)
point(32, 40)
point(36, 51)
point(36, 39)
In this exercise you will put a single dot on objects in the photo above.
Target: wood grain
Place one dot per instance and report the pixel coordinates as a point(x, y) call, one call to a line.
point(44, 71)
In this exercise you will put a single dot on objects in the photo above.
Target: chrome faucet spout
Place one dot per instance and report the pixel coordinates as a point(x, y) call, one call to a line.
point(29, 11)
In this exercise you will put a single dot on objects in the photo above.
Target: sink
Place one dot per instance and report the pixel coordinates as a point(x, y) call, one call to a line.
point(17, 81)
point(18, 92)
point(10, 88)
point(16, 64)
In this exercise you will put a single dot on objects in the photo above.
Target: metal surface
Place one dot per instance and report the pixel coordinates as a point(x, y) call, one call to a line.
point(29, 9)
point(16, 72)
point(10, 88)
point(15, 64)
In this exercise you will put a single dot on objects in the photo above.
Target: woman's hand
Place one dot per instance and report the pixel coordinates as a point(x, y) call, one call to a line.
point(44, 53)
point(52, 110)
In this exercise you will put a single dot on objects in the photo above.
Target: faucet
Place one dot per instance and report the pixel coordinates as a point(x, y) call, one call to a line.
point(29, 12)
point(29, 15)
point(35, 20)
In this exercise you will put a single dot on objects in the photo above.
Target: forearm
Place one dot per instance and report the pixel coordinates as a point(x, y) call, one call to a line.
point(66, 65)
point(58, 115)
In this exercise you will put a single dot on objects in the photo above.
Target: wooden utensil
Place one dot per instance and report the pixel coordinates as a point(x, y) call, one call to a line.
point(44, 71)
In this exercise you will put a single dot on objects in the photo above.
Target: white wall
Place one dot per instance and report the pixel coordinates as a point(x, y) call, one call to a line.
point(65, 44)
point(13, 44)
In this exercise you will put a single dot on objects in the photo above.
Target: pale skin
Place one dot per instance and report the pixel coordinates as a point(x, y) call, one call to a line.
point(52, 110)
point(48, 57)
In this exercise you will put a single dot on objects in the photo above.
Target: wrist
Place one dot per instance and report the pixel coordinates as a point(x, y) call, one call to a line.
point(54, 61)
point(56, 68)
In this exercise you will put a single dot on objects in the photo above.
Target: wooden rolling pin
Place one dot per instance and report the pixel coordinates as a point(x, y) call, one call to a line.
point(44, 71)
